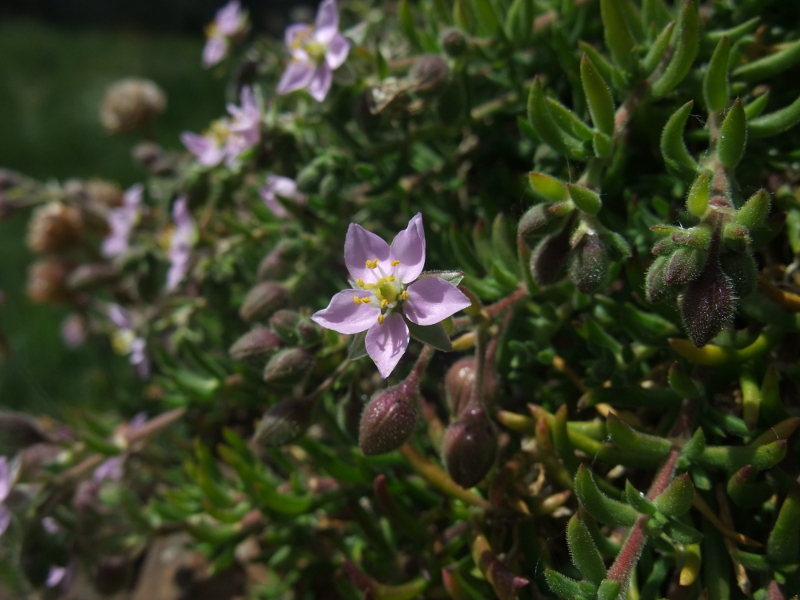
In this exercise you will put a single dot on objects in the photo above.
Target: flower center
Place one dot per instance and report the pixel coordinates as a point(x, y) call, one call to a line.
point(388, 293)
point(304, 40)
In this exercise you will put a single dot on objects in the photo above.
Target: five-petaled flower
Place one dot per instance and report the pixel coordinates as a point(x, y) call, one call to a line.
point(229, 23)
point(122, 220)
point(227, 138)
point(283, 187)
point(181, 243)
point(316, 52)
point(387, 291)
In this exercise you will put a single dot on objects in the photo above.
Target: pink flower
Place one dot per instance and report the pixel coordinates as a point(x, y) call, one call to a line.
point(229, 23)
point(283, 187)
point(227, 138)
point(316, 52)
point(122, 220)
point(125, 340)
point(180, 248)
point(5, 490)
point(387, 292)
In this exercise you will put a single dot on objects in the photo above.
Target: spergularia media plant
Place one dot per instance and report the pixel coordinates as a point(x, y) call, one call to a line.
point(601, 399)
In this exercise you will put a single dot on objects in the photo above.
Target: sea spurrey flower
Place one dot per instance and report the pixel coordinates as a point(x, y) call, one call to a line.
point(5, 490)
point(387, 292)
point(180, 248)
point(316, 52)
point(125, 340)
point(229, 23)
point(122, 220)
point(283, 187)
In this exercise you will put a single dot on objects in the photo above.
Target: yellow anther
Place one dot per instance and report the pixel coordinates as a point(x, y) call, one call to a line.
point(384, 303)
point(380, 319)
point(404, 295)
point(391, 277)
point(395, 263)
point(357, 300)
point(360, 282)
point(366, 299)
point(370, 286)
point(372, 264)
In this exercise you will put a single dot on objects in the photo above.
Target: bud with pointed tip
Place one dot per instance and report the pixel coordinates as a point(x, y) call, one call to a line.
point(588, 263)
point(285, 422)
point(255, 342)
point(684, 265)
point(263, 300)
point(469, 447)
point(389, 418)
point(656, 286)
point(708, 303)
point(284, 322)
point(534, 220)
point(288, 366)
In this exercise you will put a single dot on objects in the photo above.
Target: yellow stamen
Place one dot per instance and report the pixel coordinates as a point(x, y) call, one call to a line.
point(404, 295)
point(357, 300)
point(395, 263)
point(360, 282)
point(366, 299)
point(380, 319)
point(372, 264)
point(391, 277)
point(384, 303)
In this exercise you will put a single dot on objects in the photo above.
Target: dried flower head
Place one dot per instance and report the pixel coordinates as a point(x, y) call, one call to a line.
point(54, 227)
point(131, 104)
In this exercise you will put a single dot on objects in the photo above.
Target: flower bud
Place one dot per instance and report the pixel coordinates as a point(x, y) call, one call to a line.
point(255, 342)
point(459, 384)
point(279, 263)
point(309, 332)
point(288, 366)
point(470, 447)
point(684, 265)
point(263, 300)
point(454, 42)
point(285, 422)
point(431, 73)
point(284, 322)
point(389, 418)
point(131, 104)
point(534, 219)
point(708, 304)
point(47, 281)
point(589, 263)
point(742, 269)
point(656, 286)
point(54, 227)
point(90, 275)
point(548, 258)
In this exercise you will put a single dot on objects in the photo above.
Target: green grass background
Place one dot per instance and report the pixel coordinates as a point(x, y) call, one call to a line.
point(52, 81)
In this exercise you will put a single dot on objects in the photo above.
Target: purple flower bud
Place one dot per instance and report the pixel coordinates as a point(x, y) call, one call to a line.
point(459, 384)
point(708, 304)
point(389, 418)
point(684, 265)
point(470, 447)
point(285, 422)
point(255, 342)
point(263, 300)
point(454, 41)
point(589, 263)
point(431, 74)
point(534, 219)
point(284, 322)
point(288, 366)
point(549, 257)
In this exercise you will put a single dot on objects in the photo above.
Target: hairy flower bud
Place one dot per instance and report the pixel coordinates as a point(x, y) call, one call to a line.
point(684, 265)
point(279, 263)
point(656, 286)
point(459, 384)
point(288, 366)
point(285, 422)
point(534, 220)
point(131, 104)
point(389, 418)
point(548, 258)
point(54, 227)
point(708, 304)
point(469, 447)
point(454, 41)
point(254, 343)
point(263, 300)
point(284, 322)
point(47, 281)
point(430, 74)
point(588, 263)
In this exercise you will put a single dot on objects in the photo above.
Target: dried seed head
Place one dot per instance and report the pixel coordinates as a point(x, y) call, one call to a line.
point(54, 227)
point(131, 104)
point(47, 281)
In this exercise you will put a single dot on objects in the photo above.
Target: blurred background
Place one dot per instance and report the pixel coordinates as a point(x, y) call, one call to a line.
point(57, 57)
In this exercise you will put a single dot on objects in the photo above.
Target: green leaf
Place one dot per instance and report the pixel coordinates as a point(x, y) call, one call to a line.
point(783, 544)
point(287, 504)
point(734, 34)
point(655, 12)
point(677, 158)
point(699, 194)
point(609, 589)
point(677, 499)
point(543, 122)
point(716, 89)
point(600, 506)
point(755, 210)
point(775, 122)
point(563, 586)
point(618, 36)
point(659, 48)
point(583, 551)
point(585, 199)
point(598, 97)
point(433, 335)
point(638, 500)
point(407, 25)
point(488, 19)
point(630, 440)
point(769, 66)
point(685, 51)
point(602, 145)
point(569, 121)
point(732, 136)
point(547, 187)
point(453, 277)
point(682, 533)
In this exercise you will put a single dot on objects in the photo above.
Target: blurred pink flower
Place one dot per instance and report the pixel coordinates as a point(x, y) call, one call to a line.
point(122, 220)
point(283, 187)
point(229, 23)
point(183, 239)
point(5, 490)
point(316, 52)
point(125, 340)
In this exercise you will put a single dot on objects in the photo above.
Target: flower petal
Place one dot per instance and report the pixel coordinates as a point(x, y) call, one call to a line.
point(387, 342)
point(408, 247)
point(345, 316)
point(229, 18)
point(5, 519)
point(360, 246)
point(296, 76)
point(214, 51)
point(5, 478)
point(431, 300)
point(321, 82)
point(327, 23)
point(338, 49)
